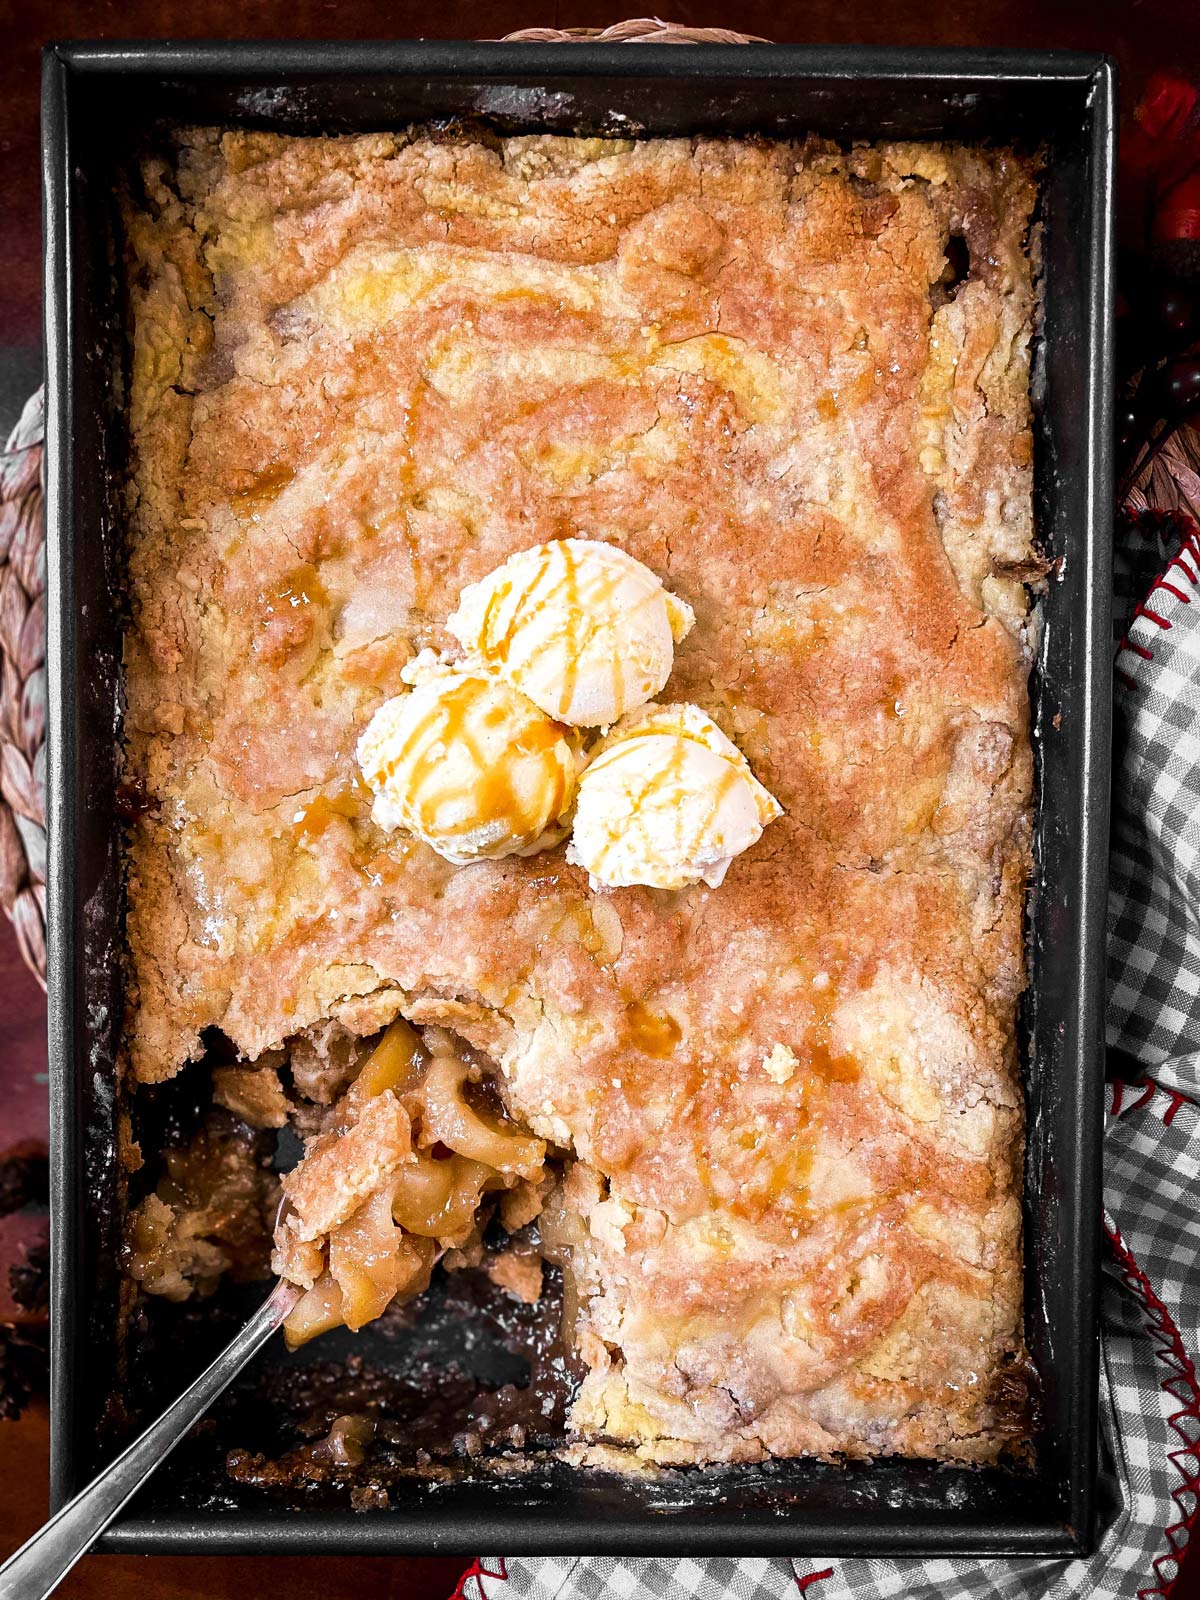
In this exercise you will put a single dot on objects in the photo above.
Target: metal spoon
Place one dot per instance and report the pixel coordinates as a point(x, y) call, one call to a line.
point(41, 1564)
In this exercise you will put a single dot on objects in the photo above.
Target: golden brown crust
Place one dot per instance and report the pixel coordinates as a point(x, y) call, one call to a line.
point(365, 372)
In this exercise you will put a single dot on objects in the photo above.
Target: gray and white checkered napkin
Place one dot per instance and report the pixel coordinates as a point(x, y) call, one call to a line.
point(1150, 1402)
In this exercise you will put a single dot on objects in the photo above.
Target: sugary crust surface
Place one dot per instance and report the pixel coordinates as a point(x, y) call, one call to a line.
point(367, 370)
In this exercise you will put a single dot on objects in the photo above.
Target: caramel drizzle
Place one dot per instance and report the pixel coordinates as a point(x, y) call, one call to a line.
point(817, 1053)
point(265, 486)
point(351, 803)
point(300, 587)
point(891, 702)
point(780, 1182)
point(666, 782)
point(647, 1031)
point(578, 601)
point(495, 795)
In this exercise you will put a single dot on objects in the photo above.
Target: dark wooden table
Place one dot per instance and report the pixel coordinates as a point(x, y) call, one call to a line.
point(1141, 34)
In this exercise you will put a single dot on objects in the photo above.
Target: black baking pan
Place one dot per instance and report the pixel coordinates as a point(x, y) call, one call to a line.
point(101, 102)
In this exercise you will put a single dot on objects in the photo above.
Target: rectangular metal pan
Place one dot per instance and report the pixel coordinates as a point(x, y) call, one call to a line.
point(99, 100)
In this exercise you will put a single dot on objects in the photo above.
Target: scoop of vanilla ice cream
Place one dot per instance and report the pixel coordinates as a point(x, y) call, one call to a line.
point(469, 765)
point(667, 800)
point(582, 628)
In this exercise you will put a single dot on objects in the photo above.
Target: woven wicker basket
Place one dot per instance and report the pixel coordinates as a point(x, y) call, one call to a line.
point(639, 30)
point(23, 687)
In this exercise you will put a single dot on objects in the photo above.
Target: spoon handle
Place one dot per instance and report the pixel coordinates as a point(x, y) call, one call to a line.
point(44, 1560)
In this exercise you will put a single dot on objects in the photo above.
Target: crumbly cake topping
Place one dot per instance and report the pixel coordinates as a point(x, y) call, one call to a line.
point(368, 370)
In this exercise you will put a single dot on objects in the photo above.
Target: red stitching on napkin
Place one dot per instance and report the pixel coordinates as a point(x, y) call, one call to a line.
point(1189, 546)
point(806, 1582)
point(1149, 1087)
point(1151, 616)
point(473, 1571)
point(1171, 1351)
point(477, 1570)
point(1176, 1100)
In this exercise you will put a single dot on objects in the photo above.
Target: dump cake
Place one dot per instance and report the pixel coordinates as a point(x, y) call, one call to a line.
point(769, 1129)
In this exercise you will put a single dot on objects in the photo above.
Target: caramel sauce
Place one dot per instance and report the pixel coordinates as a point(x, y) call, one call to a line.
point(300, 587)
point(496, 798)
point(265, 486)
point(556, 582)
point(754, 1169)
point(352, 803)
point(784, 1184)
point(667, 780)
point(543, 591)
point(730, 777)
point(816, 1053)
point(891, 702)
point(833, 1069)
point(649, 1032)
point(536, 738)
